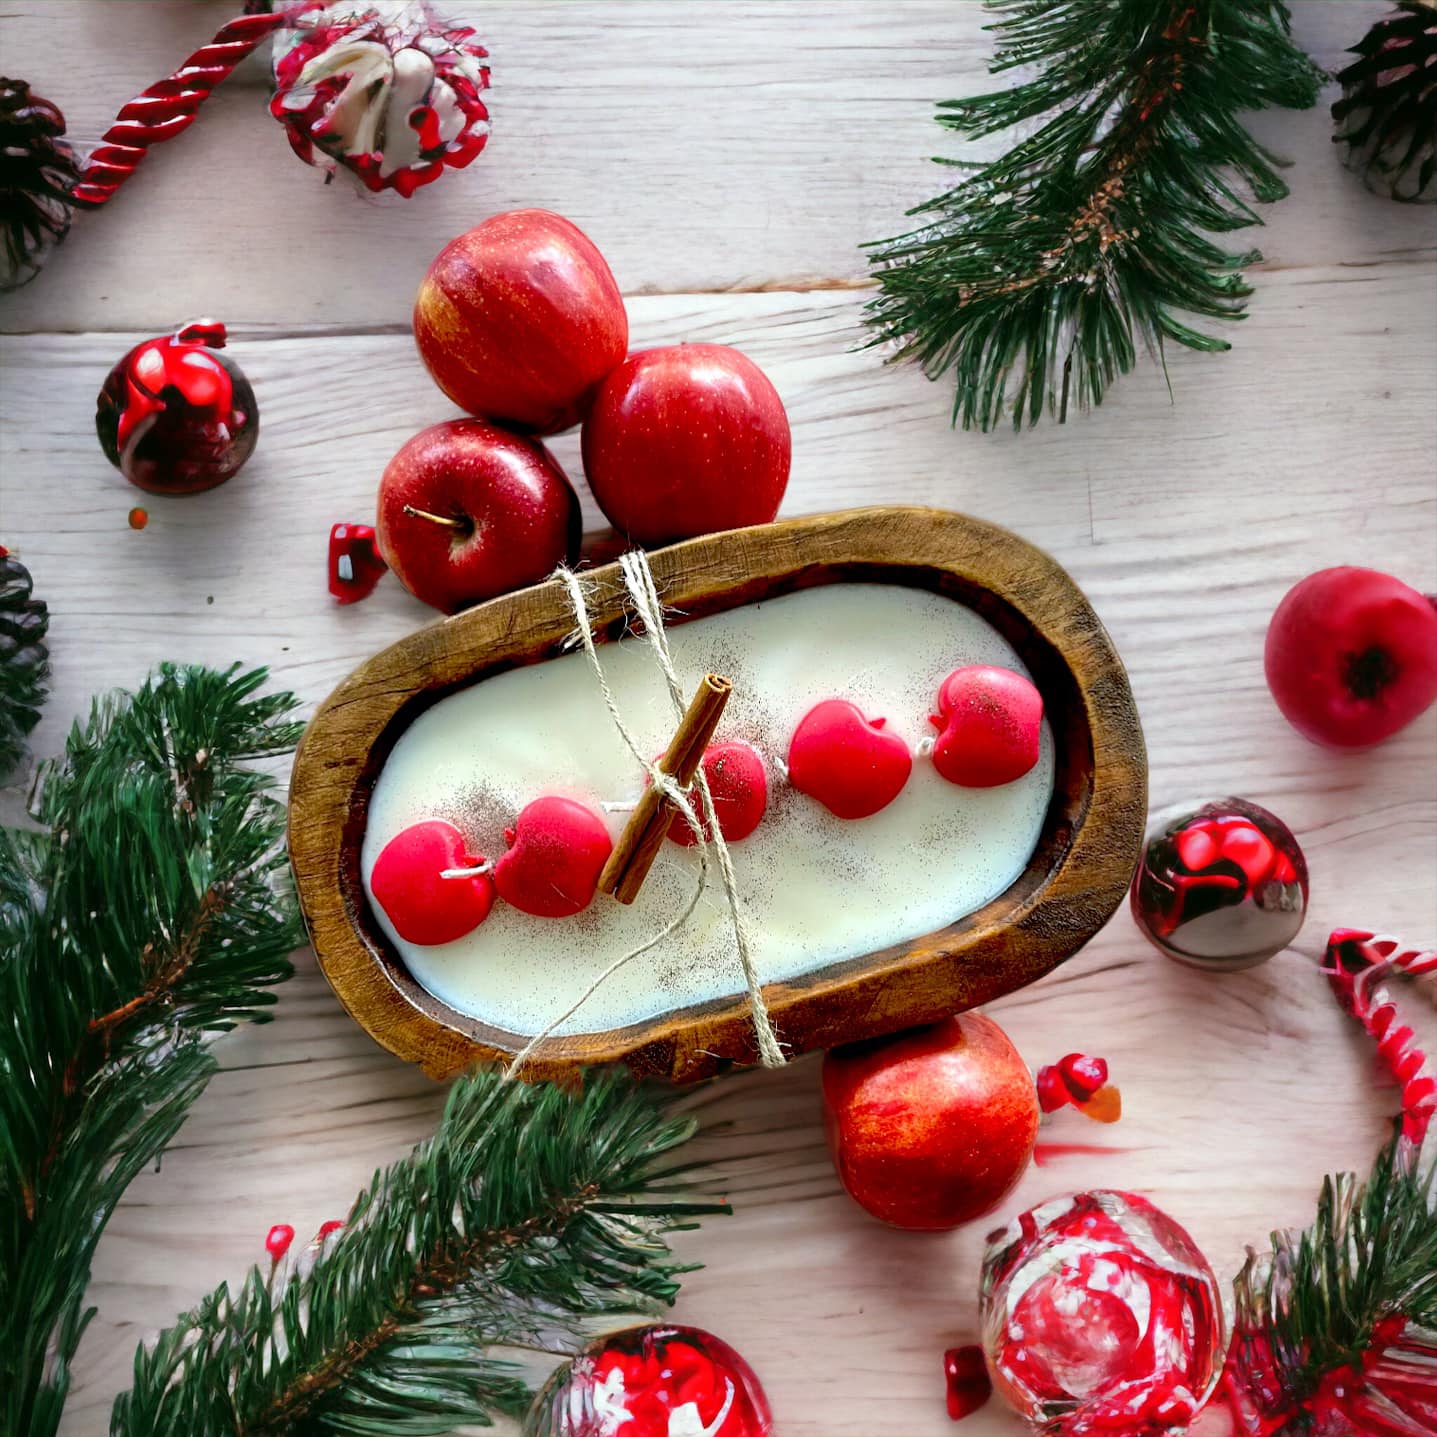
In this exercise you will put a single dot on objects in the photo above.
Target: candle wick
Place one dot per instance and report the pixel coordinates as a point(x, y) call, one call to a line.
point(466, 872)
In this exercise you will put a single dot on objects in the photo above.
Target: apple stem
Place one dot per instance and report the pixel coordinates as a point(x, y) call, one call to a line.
point(448, 523)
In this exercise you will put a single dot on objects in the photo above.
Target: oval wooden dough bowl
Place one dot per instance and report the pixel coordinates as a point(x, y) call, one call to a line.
point(1078, 873)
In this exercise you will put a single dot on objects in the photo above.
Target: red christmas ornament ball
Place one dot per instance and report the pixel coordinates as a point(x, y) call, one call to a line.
point(1221, 888)
point(176, 416)
point(653, 1382)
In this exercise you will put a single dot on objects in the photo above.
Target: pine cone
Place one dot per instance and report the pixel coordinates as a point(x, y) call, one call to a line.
point(37, 170)
point(24, 659)
point(1387, 116)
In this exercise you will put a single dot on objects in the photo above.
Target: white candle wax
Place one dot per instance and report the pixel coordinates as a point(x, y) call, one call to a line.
point(816, 888)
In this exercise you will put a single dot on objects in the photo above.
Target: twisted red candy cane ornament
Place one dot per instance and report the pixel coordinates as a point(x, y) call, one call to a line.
point(168, 108)
point(387, 90)
point(1356, 965)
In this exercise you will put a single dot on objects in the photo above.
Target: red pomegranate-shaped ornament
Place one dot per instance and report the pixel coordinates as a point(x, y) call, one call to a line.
point(175, 415)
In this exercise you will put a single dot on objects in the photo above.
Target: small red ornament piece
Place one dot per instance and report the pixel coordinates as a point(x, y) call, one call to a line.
point(849, 763)
point(277, 1240)
point(520, 319)
point(1222, 888)
point(1053, 1092)
point(1074, 1079)
point(325, 1228)
point(1351, 656)
point(990, 724)
point(933, 1127)
point(408, 883)
point(653, 1382)
point(468, 511)
point(175, 416)
point(557, 849)
point(686, 440)
point(138, 517)
point(968, 1385)
point(388, 92)
point(1101, 1318)
point(1084, 1075)
point(355, 565)
point(740, 792)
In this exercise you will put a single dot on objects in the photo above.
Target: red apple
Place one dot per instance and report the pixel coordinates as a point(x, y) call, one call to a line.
point(849, 763)
point(989, 723)
point(408, 883)
point(519, 319)
point(468, 510)
point(933, 1127)
point(685, 441)
point(557, 849)
point(1351, 656)
point(739, 787)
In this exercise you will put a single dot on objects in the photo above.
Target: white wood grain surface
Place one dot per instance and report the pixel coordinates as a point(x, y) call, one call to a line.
point(730, 158)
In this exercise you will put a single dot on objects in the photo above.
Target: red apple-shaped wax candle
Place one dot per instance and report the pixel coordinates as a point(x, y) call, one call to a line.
point(990, 723)
point(739, 787)
point(686, 440)
point(408, 882)
point(933, 1127)
point(519, 319)
point(1351, 656)
point(468, 511)
point(557, 849)
point(851, 764)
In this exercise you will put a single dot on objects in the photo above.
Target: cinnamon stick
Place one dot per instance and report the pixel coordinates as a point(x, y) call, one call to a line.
point(644, 833)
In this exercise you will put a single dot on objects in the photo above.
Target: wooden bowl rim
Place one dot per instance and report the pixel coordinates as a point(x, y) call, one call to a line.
point(1043, 918)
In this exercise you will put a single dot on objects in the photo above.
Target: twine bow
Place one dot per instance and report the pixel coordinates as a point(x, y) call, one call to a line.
point(639, 580)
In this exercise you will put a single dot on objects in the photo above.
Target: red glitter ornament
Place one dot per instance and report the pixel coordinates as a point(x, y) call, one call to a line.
point(387, 91)
point(176, 416)
point(653, 1382)
point(1221, 888)
point(1100, 1316)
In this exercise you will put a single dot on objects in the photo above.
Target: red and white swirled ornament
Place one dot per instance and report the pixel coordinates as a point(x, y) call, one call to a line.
point(385, 91)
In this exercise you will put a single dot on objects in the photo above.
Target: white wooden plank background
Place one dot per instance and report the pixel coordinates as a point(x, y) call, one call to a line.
point(729, 158)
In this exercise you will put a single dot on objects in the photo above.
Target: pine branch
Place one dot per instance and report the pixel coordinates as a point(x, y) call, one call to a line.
point(1323, 1315)
point(148, 912)
point(531, 1209)
point(1033, 278)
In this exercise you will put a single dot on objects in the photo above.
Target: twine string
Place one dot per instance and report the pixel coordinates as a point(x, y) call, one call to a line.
point(640, 582)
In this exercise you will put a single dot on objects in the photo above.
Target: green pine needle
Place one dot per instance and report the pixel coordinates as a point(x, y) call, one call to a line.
point(1311, 1305)
point(531, 1209)
point(149, 911)
point(1034, 278)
